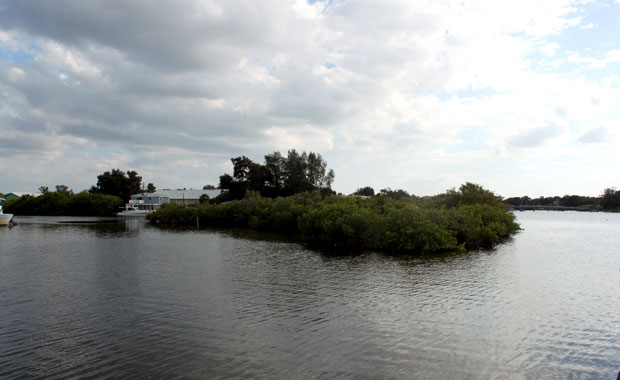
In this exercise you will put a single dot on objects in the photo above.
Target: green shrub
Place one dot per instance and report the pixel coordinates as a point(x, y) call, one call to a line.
point(58, 203)
point(467, 219)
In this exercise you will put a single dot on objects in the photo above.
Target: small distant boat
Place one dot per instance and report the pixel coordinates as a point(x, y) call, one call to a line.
point(5, 219)
point(131, 211)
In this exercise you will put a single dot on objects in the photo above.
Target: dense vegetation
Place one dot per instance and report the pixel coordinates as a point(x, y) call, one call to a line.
point(469, 218)
point(112, 191)
point(120, 184)
point(565, 201)
point(64, 203)
point(278, 176)
point(610, 200)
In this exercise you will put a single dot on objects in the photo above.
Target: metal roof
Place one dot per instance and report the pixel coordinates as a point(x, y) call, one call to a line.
point(184, 193)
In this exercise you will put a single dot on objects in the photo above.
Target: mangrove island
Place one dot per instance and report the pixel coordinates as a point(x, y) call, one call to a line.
point(292, 195)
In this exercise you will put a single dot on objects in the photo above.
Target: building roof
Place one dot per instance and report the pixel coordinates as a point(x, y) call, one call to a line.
point(184, 193)
point(19, 195)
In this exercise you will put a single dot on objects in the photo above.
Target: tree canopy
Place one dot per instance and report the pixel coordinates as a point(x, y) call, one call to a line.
point(394, 194)
point(118, 183)
point(610, 200)
point(365, 191)
point(65, 202)
point(465, 219)
point(278, 176)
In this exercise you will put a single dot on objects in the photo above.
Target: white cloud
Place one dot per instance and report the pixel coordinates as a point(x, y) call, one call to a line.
point(588, 26)
point(550, 49)
point(192, 84)
point(597, 135)
point(313, 139)
point(611, 81)
point(610, 57)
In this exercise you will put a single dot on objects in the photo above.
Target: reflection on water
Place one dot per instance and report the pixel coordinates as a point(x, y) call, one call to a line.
point(101, 227)
point(121, 298)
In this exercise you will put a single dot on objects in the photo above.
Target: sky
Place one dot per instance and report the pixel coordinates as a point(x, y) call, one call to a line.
point(521, 97)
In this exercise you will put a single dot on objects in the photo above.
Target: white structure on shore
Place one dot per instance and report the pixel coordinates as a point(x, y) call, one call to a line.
point(5, 219)
point(187, 197)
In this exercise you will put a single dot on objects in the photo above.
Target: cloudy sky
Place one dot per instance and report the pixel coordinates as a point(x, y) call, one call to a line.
point(521, 97)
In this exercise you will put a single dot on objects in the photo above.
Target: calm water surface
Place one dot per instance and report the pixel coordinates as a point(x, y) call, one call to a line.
point(120, 299)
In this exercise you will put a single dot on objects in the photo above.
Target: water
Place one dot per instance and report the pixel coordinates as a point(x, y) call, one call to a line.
point(120, 299)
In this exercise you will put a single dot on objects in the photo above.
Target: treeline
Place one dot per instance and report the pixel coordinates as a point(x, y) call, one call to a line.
point(120, 184)
point(112, 191)
point(64, 203)
point(279, 176)
point(468, 218)
point(608, 201)
point(566, 201)
point(368, 191)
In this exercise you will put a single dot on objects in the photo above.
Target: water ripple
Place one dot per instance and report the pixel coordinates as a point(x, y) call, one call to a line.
point(80, 301)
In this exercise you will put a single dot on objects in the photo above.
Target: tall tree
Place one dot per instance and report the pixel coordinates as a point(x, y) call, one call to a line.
point(295, 171)
point(394, 194)
point(64, 189)
point(226, 182)
point(365, 191)
point(279, 176)
point(610, 200)
point(329, 179)
point(315, 169)
point(275, 168)
point(241, 168)
point(257, 177)
point(118, 183)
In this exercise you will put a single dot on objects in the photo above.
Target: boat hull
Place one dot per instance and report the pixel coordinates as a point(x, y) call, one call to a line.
point(5, 219)
point(133, 214)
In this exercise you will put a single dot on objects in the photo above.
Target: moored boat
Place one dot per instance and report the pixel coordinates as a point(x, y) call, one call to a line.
point(5, 219)
point(131, 211)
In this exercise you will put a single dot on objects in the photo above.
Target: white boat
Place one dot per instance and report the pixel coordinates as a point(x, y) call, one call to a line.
point(134, 210)
point(5, 219)
point(131, 211)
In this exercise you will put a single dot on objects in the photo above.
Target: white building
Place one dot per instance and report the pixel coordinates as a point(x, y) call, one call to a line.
point(187, 197)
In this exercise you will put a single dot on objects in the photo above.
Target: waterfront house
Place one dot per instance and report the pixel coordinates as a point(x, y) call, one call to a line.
point(147, 201)
point(19, 195)
point(187, 197)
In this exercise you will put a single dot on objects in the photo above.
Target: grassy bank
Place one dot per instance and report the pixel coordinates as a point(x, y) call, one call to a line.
point(465, 219)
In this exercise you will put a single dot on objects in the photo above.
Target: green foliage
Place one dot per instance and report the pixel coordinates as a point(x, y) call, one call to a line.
point(64, 203)
point(564, 201)
point(338, 222)
point(279, 176)
point(365, 192)
point(379, 223)
point(471, 194)
point(394, 194)
point(64, 189)
point(177, 214)
point(224, 196)
point(481, 225)
point(610, 199)
point(118, 183)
